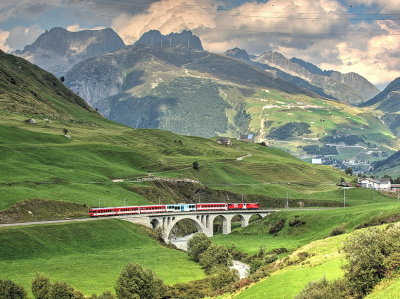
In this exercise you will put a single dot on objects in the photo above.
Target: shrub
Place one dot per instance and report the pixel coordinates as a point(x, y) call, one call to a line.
point(61, 290)
point(323, 289)
point(197, 245)
point(277, 226)
point(223, 276)
point(278, 251)
point(10, 290)
point(296, 222)
point(337, 230)
point(366, 252)
point(106, 295)
point(40, 286)
point(215, 256)
point(135, 282)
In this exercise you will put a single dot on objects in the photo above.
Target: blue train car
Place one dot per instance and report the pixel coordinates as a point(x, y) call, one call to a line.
point(181, 207)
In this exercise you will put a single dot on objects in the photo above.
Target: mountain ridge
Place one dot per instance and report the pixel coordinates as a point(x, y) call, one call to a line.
point(349, 88)
point(58, 49)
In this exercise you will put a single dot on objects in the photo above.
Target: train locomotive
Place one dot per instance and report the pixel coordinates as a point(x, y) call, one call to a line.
point(171, 208)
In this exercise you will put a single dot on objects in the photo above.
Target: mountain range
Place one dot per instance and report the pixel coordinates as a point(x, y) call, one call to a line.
point(349, 88)
point(58, 49)
point(170, 82)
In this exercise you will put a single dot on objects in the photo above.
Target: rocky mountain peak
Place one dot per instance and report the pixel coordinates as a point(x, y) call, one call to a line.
point(154, 38)
point(238, 54)
point(58, 49)
point(349, 88)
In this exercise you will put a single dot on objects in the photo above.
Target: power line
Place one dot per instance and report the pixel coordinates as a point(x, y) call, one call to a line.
point(314, 15)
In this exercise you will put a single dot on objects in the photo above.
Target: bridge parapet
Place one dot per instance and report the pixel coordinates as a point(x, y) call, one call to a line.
point(203, 221)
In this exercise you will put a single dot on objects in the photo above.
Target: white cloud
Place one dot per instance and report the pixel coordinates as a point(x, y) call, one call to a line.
point(215, 27)
point(3, 37)
point(77, 27)
point(166, 16)
point(20, 36)
point(386, 6)
point(378, 60)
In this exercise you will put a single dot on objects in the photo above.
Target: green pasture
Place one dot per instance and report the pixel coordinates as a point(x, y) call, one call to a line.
point(325, 261)
point(88, 255)
point(318, 225)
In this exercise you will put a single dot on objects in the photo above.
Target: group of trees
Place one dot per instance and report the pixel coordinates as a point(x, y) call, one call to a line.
point(134, 282)
point(210, 256)
point(371, 254)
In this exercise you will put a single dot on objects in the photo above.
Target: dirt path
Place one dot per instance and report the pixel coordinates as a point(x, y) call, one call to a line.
point(241, 158)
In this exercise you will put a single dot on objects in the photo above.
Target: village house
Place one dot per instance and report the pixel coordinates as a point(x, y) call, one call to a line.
point(377, 184)
point(224, 141)
point(247, 138)
point(396, 187)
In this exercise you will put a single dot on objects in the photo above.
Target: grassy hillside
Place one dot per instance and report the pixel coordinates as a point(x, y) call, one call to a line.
point(388, 288)
point(317, 224)
point(389, 166)
point(28, 89)
point(39, 162)
point(312, 262)
point(88, 255)
point(325, 260)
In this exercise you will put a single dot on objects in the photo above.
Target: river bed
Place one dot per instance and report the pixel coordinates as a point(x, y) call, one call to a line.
point(181, 243)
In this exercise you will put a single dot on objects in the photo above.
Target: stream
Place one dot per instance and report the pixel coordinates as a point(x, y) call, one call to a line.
point(181, 243)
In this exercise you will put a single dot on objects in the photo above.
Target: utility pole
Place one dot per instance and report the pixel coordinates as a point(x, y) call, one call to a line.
point(242, 197)
point(344, 198)
point(287, 200)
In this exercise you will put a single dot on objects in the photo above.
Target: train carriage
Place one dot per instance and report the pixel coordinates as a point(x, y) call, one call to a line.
point(211, 207)
point(132, 210)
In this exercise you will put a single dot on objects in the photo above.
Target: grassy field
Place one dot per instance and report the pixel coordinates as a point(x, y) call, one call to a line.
point(39, 162)
point(389, 289)
point(318, 225)
point(88, 255)
point(325, 261)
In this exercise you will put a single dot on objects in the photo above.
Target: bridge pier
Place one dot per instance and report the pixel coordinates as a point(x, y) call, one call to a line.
point(202, 221)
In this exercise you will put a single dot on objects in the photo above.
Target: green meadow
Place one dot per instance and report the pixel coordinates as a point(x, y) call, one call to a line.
point(88, 255)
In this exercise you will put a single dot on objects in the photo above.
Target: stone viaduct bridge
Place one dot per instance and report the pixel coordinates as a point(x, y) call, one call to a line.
point(203, 220)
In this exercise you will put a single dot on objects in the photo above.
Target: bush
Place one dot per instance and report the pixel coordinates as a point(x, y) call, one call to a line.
point(106, 295)
point(323, 289)
point(40, 286)
point(366, 252)
point(349, 171)
point(278, 251)
point(296, 222)
point(135, 282)
point(277, 226)
point(223, 276)
point(61, 290)
point(215, 256)
point(10, 290)
point(337, 230)
point(197, 245)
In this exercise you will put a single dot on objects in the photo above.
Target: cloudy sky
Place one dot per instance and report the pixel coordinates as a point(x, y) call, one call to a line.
point(360, 36)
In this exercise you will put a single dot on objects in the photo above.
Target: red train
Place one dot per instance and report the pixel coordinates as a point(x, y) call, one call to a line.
point(114, 211)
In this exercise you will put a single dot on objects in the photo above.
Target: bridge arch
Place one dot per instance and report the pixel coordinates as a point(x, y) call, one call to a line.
point(155, 223)
point(197, 223)
point(244, 221)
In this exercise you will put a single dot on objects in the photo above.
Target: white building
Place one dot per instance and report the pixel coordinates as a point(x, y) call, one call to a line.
point(377, 184)
point(316, 161)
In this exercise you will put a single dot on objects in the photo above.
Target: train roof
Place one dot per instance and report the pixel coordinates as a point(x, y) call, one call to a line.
point(202, 203)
